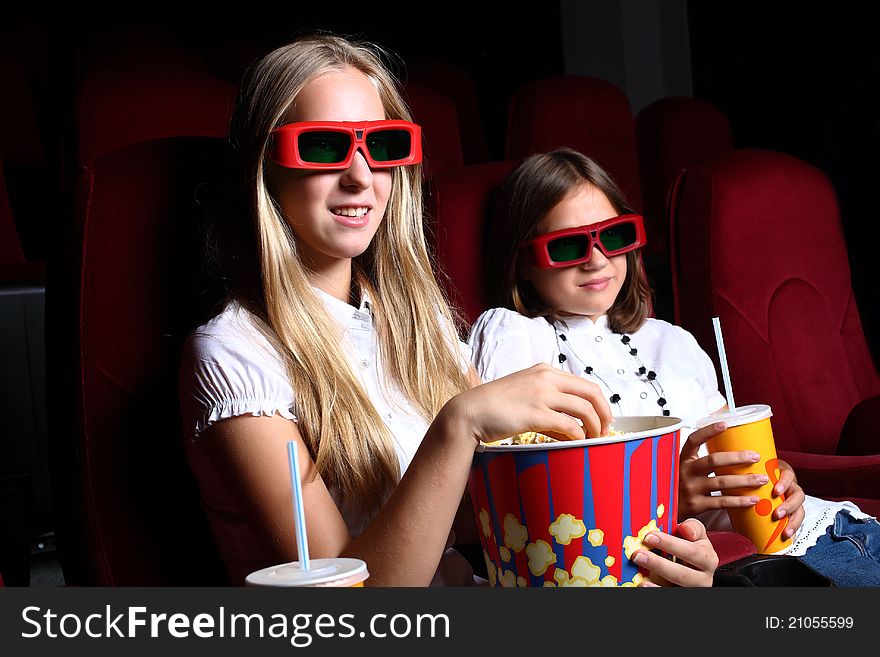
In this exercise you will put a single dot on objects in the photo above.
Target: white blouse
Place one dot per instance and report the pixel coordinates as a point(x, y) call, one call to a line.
point(503, 342)
point(230, 368)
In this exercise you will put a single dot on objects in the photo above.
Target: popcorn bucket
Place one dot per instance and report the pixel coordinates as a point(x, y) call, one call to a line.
point(572, 513)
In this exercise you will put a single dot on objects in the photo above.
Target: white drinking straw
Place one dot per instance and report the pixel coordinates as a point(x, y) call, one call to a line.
point(299, 516)
point(722, 356)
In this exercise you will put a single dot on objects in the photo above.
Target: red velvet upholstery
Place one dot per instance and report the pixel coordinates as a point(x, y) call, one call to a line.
point(590, 115)
point(459, 203)
point(118, 107)
point(731, 546)
point(441, 141)
point(455, 83)
point(757, 242)
point(673, 134)
point(130, 513)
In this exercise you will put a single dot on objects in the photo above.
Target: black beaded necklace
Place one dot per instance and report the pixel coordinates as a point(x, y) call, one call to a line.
point(642, 371)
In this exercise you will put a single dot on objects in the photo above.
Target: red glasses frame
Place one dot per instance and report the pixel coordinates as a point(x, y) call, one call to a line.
point(284, 149)
point(538, 247)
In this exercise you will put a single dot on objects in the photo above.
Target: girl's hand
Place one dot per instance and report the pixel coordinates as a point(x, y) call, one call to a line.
point(539, 398)
point(695, 558)
point(793, 506)
point(695, 485)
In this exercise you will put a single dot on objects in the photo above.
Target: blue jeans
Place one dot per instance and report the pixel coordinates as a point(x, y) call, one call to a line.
point(849, 552)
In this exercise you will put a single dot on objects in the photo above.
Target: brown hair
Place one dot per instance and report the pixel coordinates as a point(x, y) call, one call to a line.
point(534, 188)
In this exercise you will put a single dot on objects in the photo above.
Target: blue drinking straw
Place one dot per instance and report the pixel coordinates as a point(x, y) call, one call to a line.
point(299, 516)
point(722, 357)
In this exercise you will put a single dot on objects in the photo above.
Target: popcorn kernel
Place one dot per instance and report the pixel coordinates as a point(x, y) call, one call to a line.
point(566, 527)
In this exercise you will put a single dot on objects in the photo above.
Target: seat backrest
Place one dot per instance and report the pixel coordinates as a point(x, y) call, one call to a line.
point(588, 114)
point(118, 107)
point(455, 83)
point(459, 204)
point(672, 134)
point(132, 515)
point(441, 139)
point(757, 242)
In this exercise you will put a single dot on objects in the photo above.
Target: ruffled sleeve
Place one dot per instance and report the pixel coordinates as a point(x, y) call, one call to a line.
point(226, 373)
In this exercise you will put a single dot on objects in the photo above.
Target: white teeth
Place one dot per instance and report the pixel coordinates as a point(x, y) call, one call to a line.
point(351, 212)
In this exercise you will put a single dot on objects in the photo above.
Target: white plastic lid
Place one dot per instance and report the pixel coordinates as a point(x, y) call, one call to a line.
point(321, 572)
point(742, 415)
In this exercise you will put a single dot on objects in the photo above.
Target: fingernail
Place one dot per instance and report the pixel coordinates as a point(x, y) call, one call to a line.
point(720, 426)
point(780, 513)
point(763, 479)
point(754, 499)
point(754, 456)
point(641, 558)
point(779, 489)
point(652, 539)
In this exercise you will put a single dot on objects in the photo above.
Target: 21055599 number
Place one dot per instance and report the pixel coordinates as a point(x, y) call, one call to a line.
point(808, 622)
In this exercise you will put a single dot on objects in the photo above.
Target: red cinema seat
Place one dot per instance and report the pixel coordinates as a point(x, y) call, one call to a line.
point(118, 107)
point(757, 241)
point(455, 83)
point(459, 203)
point(131, 513)
point(672, 134)
point(730, 546)
point(584, 113)
point(441, 141)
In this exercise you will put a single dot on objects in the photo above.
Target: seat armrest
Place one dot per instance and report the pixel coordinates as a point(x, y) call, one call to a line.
point(824, 475)
point(730, 546)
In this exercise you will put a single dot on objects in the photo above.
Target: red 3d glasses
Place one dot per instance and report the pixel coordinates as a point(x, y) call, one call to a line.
point(332, 144)
point(572, 246)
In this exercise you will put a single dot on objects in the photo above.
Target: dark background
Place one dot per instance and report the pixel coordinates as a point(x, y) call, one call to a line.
point(790, 77)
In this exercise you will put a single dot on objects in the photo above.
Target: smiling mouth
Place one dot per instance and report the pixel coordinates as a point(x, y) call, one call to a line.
point(350, 211)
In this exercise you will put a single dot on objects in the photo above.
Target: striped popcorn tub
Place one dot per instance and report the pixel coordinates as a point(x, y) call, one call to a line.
point(572, 513)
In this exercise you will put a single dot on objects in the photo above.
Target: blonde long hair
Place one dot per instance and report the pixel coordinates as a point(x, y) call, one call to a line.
point(350, 443)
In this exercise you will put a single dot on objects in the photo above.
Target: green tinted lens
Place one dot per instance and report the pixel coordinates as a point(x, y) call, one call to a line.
point(389, 145)
point(618, 237)
point(566, 249)
point(323, 147)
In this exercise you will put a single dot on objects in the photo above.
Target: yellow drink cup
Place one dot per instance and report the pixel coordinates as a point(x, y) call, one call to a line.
point(748, 428)
point(338, 571)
